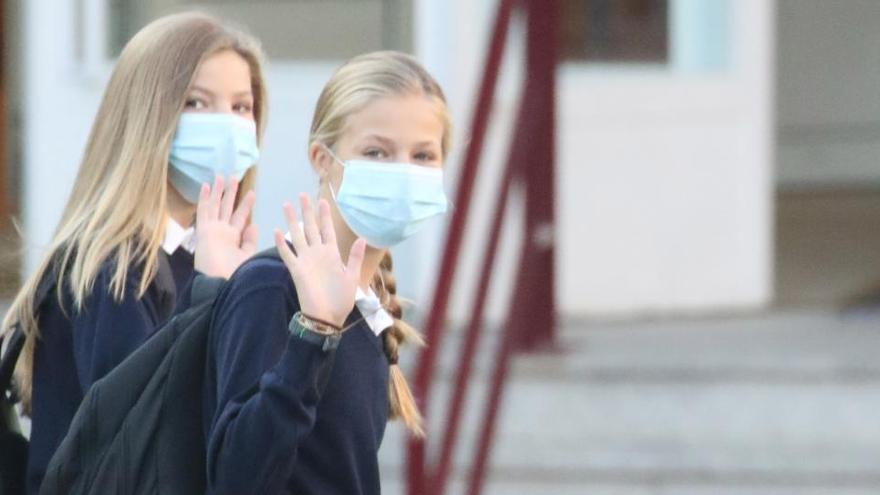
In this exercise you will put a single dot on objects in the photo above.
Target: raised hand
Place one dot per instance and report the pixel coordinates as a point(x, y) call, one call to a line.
point(224, 236)
point(324, 284)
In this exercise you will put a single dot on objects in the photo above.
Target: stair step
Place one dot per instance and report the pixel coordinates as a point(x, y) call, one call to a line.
point(782, 403)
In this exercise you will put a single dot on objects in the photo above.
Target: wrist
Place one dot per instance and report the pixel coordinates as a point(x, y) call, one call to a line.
point(322, 318)
point(315, 331)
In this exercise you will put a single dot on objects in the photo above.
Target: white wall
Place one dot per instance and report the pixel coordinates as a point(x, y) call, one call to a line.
point(59, 103)
point(828, 84)
point(664, 176)
point(666, 182)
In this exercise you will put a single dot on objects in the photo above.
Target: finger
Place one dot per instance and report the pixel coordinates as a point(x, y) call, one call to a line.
point(284, 252)
point(310, 224)
point(249, 240)
point(296, 234)
point(356, 259)
point(328, 233)
point(202, 209)
point(214, 202)
point(240, 217)
point(227, 204)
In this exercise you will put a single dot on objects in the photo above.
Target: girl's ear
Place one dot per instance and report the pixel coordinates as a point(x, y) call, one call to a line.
point(320, 160)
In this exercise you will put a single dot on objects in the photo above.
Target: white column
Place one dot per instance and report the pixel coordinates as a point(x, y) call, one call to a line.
point(57, 112)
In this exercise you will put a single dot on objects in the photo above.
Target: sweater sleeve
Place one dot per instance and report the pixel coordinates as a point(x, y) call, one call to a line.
point(106, 331)
point(267, 387)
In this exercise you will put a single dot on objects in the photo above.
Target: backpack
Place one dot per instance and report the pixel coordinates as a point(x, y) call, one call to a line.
point(139, 429)
point(13, 444)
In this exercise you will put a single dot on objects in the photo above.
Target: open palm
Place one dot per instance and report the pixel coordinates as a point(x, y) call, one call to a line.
point(224, 236)
point(325, 285)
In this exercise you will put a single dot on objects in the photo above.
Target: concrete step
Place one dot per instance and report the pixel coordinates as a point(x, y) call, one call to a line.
point(781, 403)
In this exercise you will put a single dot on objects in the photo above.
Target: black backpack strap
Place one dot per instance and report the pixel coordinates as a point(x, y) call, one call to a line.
point(17, 337)
point(10, 357)
point(164, 286)
point(204, 289)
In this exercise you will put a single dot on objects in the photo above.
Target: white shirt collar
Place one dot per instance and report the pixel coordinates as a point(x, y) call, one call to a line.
point(370, 307)
point(177, 236)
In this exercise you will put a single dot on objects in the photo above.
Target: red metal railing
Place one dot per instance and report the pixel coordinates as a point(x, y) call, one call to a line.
point(531, 320)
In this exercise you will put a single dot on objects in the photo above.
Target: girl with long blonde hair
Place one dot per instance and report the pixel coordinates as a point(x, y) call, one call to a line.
point(303, 367)
point(186, 102)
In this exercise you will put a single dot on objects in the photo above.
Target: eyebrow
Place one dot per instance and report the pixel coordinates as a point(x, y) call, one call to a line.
point(211, 93)
point(379, 138)
point(387, 141)
point(428, 143)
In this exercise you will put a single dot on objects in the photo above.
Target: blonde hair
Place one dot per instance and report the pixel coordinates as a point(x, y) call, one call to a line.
point(358, 82)
point(117, 209)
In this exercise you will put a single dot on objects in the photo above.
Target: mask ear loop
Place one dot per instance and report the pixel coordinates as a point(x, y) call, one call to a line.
point(340, 162)
point(384, 290)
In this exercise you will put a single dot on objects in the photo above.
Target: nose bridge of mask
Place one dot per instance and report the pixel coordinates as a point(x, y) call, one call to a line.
point(382, 167)
point(393, 181)
point(375, 179)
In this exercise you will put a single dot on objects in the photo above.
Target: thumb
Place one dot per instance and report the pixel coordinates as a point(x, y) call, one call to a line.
point(356, 259)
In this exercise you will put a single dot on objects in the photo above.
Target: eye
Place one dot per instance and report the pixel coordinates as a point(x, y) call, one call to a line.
point(195, 104)
point(376, 153)
point(425, 157)
point(243, 108)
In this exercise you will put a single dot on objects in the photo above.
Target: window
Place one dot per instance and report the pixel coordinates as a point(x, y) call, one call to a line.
point(629, 31)
point(289, 29)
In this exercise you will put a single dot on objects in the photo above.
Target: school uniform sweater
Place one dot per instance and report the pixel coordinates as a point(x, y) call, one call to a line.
point(283, 415)
point(76, 348)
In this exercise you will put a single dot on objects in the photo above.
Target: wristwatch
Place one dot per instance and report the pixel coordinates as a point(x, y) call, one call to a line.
point(314, 332)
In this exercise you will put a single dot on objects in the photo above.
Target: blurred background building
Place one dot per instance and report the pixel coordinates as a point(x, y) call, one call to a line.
point(718, 207)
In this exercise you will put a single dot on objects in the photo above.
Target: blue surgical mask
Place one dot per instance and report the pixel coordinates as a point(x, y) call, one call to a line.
point(208, 144)
point(387, 202)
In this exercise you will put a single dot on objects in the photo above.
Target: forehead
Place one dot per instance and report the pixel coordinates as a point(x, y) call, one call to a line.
point(405, 119)
point(224, 69)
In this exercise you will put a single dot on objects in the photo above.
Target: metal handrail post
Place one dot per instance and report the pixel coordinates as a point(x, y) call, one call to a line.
point(416, 459)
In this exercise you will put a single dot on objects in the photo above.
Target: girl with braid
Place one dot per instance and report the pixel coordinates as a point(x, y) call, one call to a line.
point(302, 364)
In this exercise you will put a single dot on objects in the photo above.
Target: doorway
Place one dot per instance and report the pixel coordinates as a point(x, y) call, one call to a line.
point(828, 153)
point(10, 242)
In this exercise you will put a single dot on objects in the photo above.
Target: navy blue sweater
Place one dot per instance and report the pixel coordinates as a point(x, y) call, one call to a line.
point(282, 415)
point(76, 348)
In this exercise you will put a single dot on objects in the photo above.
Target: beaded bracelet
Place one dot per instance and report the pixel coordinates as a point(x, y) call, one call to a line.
point(319, 321)
point(322, 327)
